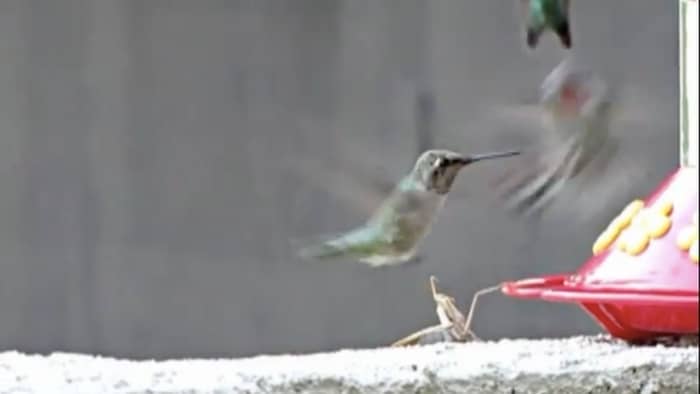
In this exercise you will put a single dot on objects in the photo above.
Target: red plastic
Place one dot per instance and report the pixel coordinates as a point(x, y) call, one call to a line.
point(635, 297)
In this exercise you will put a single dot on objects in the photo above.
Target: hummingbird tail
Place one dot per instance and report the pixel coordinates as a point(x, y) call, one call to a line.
point(564, 34)
point(532, 37)
point(320, 252)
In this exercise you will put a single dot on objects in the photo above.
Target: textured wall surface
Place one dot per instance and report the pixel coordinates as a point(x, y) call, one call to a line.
point(159, 158)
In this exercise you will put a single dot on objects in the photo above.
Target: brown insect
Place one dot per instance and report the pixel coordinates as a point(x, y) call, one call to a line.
point(453, 326)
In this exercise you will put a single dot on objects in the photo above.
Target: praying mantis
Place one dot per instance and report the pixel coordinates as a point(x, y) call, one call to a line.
point(453, 326)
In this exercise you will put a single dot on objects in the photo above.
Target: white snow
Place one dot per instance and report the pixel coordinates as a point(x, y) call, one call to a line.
point(580, 364)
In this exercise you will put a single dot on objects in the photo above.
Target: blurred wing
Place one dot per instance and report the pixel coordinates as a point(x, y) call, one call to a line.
point(595, 183)
point(533, 182)
point(605, 184)
point(584, 176)
point(620, 168)
point(532, 186)
point(362, 191)
point(590, 159)
point(526, 122)
point(528, 113)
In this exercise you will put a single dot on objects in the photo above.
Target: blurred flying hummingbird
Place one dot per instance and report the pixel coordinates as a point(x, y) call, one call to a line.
point(576, 107)
point(394, 230)
point(542, 15)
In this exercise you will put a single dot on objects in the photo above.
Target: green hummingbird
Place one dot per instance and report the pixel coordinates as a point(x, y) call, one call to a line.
point(392, 233)
point(542, 15)
point(575, 105)
point(578, 154)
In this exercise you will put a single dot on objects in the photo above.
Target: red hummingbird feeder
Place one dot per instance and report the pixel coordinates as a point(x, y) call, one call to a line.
point(642, 280)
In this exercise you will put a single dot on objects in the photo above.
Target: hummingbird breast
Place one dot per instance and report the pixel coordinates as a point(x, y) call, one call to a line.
point(412, 219)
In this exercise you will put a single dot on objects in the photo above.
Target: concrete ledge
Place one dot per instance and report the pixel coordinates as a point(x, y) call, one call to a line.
point(573, 365)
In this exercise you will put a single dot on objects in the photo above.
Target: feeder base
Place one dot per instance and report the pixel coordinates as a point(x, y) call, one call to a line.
point(627, 315)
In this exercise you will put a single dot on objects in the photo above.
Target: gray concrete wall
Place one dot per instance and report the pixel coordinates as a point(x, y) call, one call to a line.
point(158, 158)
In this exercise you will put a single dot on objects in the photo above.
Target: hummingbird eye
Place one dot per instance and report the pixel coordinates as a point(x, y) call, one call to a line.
point(437, 162)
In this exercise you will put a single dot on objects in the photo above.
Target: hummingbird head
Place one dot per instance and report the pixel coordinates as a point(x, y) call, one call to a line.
point(437, 169)
point(568, 89)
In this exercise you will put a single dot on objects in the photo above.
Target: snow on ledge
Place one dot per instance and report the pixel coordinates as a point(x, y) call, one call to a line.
point(572, 365)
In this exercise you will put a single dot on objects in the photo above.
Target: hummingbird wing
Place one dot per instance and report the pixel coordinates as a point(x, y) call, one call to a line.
point(587, 168)
point(616, 169)
point(531, 185)
point(578, 134)
point(589, 141)
point(369, 239)
point(361, 190)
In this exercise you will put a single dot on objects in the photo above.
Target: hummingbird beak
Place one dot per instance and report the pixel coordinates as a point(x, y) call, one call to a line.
point(487, 156)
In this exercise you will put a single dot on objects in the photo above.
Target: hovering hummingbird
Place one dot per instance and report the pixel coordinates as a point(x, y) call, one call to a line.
point(392, 233)
point(542, 15)
point(576, 107)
